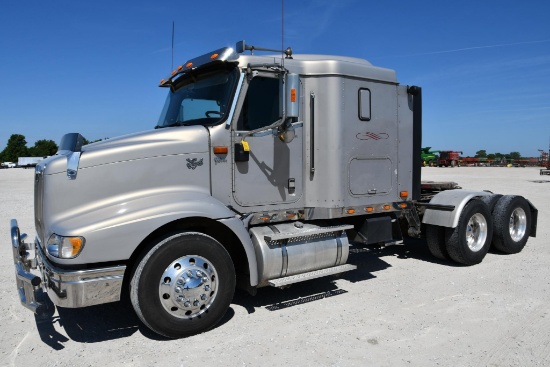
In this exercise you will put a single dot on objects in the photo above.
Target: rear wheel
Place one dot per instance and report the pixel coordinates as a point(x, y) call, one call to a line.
point(435, 236)
point(183, 285)
point(512, 217)
point(469, 241)
point(491, 201)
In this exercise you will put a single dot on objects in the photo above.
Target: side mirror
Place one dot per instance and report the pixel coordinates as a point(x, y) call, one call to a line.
point(289, 95)
point(240, 47)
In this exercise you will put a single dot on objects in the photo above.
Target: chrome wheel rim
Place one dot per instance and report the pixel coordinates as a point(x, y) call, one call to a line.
point(518, 224)
point(188, 286)
point(476, 232)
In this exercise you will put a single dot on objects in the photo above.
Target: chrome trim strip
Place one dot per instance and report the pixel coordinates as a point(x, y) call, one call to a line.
point(338, 250)
point(273, 131)
point(284, 254)
point(234, 103)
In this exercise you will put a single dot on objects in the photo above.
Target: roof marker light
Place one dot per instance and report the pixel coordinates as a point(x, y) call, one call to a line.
point(188, 65)
point(214, 56)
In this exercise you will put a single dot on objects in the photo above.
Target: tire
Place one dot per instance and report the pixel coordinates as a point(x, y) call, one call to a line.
point(512, 218)
point(491, 201)
point(469, 242)
point(183, 285)
point(435, 236)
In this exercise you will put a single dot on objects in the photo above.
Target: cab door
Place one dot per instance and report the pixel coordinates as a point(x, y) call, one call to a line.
point(273, 173)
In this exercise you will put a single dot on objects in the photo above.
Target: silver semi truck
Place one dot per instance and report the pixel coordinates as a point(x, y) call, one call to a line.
point(261, 171)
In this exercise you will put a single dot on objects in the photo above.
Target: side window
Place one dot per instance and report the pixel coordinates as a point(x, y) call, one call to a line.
point(364, 104)
point(261, 105)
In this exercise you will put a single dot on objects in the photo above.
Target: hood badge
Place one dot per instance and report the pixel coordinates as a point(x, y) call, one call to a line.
point(193, 163)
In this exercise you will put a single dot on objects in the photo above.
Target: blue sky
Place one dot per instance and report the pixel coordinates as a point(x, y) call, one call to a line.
point(93, 66)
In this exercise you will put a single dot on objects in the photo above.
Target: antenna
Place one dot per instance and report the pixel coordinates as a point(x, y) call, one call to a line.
point(282, 32)
point(172, 68)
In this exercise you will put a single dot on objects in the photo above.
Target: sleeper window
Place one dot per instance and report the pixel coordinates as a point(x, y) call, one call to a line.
point(364, 104)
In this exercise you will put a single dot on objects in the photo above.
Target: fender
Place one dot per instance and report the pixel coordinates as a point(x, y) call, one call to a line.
point(456, 198)
point(112, 232)
point(237, 227)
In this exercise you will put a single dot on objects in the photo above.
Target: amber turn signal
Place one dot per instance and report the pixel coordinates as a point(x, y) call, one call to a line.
point(221, 150)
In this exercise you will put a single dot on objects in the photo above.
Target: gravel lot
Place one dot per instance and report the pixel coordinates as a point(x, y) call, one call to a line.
point(400, 308)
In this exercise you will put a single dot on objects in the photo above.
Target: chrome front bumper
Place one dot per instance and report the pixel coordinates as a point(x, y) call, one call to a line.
point(71, 289)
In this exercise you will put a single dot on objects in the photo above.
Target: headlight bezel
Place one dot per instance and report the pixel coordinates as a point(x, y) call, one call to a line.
point(65, 247)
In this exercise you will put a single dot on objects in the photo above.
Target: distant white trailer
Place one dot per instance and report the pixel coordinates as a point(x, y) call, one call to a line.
point(29, 161)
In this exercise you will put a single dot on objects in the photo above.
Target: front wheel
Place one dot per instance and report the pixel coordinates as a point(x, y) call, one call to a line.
point(183, 285)
point(469, 241)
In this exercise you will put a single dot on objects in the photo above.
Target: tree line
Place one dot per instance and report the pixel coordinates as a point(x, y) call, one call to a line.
point(497, 156)
point(17, 147)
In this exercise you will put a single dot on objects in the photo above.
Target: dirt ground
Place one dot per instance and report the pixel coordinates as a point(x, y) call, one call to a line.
point(401, 307)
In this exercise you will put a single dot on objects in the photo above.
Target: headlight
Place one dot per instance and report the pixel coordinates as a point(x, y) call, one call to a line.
point(65, 247)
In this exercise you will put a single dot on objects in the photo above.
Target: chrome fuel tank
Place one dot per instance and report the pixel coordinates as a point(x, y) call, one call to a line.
point(295, 248)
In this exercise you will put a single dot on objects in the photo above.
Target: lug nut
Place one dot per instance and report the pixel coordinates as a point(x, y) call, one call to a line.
point(203, 297)
point(204, 279)
point(180, 282)
point(195, 302)
point(180, 299)
point(187, 304)
point(207, 288)
point(178, 289)
point(189, 273)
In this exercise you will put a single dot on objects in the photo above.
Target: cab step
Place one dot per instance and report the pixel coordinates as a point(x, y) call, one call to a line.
point(281, 282)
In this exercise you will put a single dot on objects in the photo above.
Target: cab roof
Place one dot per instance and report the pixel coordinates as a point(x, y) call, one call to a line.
point(303, 64)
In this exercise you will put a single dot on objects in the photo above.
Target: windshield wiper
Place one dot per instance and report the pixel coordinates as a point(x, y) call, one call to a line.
point(171, 125)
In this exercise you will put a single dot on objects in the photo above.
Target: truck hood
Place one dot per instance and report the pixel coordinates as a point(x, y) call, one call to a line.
point(143, 145)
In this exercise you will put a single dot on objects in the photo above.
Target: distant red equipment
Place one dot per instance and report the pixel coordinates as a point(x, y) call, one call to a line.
point(448, 158)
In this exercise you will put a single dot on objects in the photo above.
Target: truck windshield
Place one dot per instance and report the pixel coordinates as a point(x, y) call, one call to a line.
point(199, 99)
